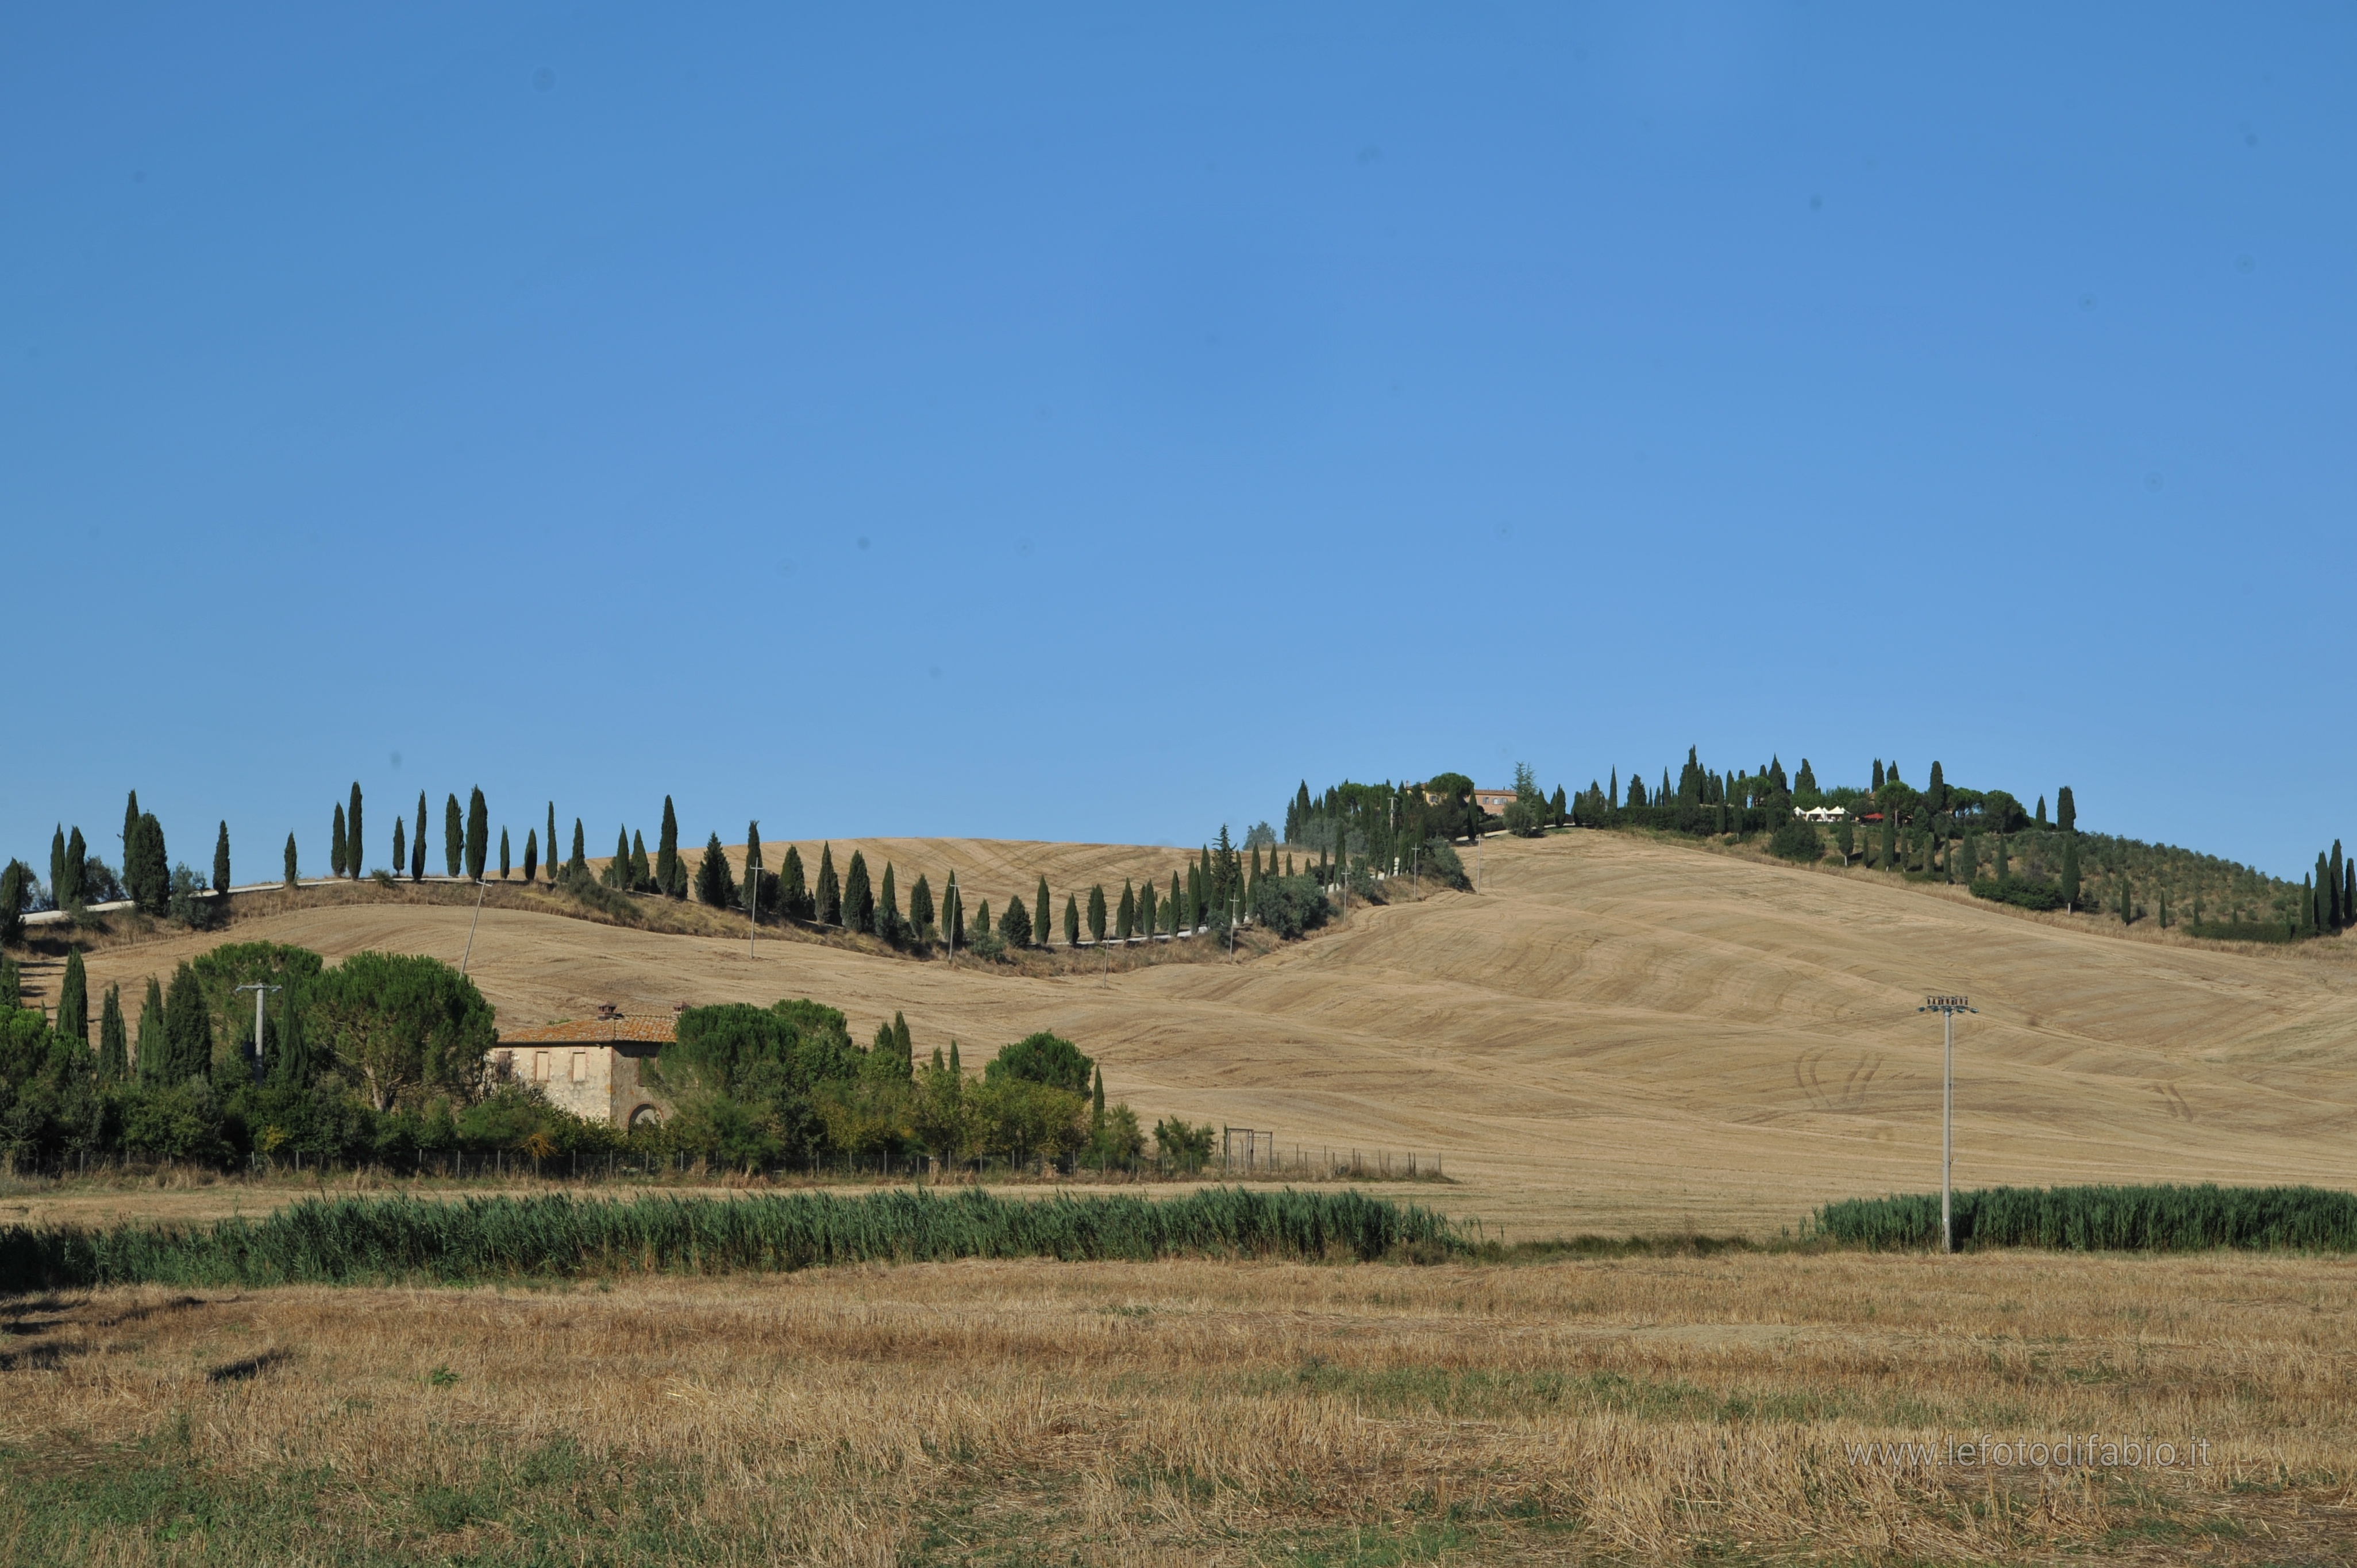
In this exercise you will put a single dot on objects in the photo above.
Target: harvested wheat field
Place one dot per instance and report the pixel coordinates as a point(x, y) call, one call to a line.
point(1616, 1036)
point(1194, 1412)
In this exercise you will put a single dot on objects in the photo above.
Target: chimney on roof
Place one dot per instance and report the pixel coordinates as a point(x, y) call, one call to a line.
point(607, 1012)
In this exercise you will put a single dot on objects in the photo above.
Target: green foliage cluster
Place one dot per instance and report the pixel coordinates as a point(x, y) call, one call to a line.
point(2157, 1219)
point(400, 1240)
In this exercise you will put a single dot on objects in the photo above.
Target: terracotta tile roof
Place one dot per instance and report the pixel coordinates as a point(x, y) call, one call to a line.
point(593, 1032)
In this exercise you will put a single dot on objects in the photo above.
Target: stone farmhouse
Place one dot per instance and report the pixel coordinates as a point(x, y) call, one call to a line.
point(590, 1066)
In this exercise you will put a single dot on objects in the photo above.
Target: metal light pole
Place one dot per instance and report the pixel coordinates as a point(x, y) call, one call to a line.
point(261, 994)
point(1947, 1007)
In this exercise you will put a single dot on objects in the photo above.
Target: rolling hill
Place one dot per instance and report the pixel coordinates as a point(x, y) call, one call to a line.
point(1616, 1033)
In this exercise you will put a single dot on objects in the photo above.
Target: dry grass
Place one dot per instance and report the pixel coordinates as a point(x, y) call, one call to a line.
point(1642, 1406)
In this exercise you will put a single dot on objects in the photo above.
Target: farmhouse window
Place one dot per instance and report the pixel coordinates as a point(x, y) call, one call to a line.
point(580, 1067)
point(540, 1067)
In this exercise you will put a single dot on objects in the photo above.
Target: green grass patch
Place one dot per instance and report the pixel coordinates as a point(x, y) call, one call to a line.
point(2159, 1219)
point(370, 1240)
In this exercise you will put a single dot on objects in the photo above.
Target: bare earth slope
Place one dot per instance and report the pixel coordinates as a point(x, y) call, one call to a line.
point(1617, 1035)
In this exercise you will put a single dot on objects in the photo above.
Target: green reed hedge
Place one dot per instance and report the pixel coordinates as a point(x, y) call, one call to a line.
point(335, 1241)
point(2096, 1219)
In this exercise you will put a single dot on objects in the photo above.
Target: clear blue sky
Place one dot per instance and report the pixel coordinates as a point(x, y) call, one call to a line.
point(1086, 424)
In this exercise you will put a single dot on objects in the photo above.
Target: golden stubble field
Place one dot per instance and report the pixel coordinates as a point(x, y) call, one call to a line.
point(1640, 1408)
point(1616, 1036)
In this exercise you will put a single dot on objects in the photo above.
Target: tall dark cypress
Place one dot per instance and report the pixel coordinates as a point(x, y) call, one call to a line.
point(153, 1056)
point(1040, 908)
point(859, 898)
point(754, 871)
point(667, 873)
point(338, 847)
point(2071, 875)
point(579, 864)
point(478, 833)
point(2332, 882)
point(188, 1027)
point(830, 891)
point(130, 829)
point(618, 870)
point(888, 906)
point(1096, 912)
point(2323, 917)
point(294, 871)
point(416, 845)
point(503, 853)
point(921, 909)
point(548, 839)
point(220, 860)
point(454, 837)
point(714, 886)
point(399, 845)
point(73, 1001)
point(793, 892)
point(113, 1040)
point(1015, 926)
point(1125, 920)
point(58, 866)
point(641, 877)
point(1071, 921)
point(1878, 776)
point(355, 858)
point(70, 888)
point(531, 852)
point(2066, 810)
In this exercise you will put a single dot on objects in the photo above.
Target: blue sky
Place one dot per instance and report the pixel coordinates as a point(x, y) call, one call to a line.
point(1086, 424)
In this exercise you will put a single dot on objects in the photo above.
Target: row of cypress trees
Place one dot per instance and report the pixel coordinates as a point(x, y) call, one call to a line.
point(175, 1040)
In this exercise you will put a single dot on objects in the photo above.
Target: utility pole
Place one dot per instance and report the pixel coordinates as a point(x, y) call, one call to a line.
point(484, 887)
point(949, 896)
point(1947, 1007)
point(261, 994)
point(1231, 930)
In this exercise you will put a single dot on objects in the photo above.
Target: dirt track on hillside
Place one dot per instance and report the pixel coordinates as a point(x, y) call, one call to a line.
point(1617, 1035)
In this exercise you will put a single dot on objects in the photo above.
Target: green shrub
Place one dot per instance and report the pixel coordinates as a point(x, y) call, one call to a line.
point(2091, 1218)
point(356, 1241)
point(1290, 905)
point(1185, 1147)
point(2019, 892)
point(1797, 840)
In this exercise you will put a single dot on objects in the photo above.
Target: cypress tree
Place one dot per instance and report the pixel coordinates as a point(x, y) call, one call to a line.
point(338, 849)
point(794, 897)
point(667, 875)
point(503, 853)
point(2040, 817)
point(531, 852)
point(2128, 908)
point(293, 874)
point(1889, 840)
point(641, 876)
point(1878, 776)
point(921, 909)
point(354, 858)
point(618, 870)
point(1096, 1098)
point(953, 923)
point(1613, 787)
point(154, 1058)
point(2332, 882)
point(416, 846)
point(73, 1001)
point(113, 1040)
point(2348, 888)
point(982, 917)
point(1015, 926)
point(2066, 810)
point(859, 898)
point(887, 907)
point(1170, 905)
point(130, 827)
point(58, 866)
point(579, 864)
point(714, 884)
point(478, 833)
point(549, 838)
point(188, 1027)
point(69, 890)
point(454, 837)
point(754, 870)
point(954, 1069)
point(220, 860)
point(904, 1045)
point(1039, 909)
point(2071, 875)
point(2321, 919)
point(830, 892)
point(1097, 913)
point(1126, 921)
point(399, 845)
point(1071, 921)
